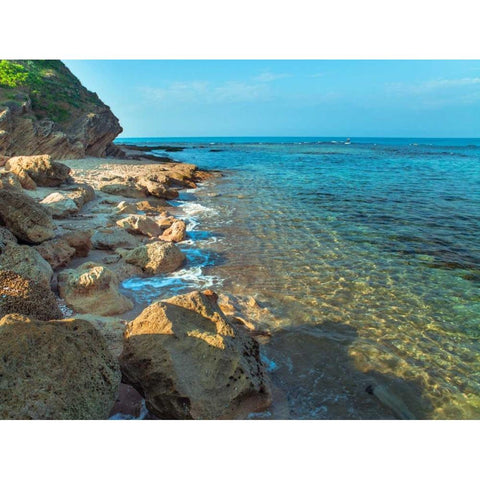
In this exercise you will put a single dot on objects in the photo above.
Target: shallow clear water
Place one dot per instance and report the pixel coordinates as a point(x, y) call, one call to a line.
point(368, 254)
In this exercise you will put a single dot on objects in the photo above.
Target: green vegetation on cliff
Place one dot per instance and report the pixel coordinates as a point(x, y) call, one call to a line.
point(54, 92)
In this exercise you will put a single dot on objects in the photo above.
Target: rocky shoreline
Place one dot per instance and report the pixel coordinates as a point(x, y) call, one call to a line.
point(70, 233)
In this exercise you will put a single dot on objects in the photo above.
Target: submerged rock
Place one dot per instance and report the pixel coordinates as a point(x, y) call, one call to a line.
point(24, 217)
point(59, 369)
point(188, 361)
point(26, 297)
point(39, 168)
point(92, 288)
point(27, 262)
point(156, 257)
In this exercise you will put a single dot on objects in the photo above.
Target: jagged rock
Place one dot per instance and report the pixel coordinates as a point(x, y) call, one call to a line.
point(57, 252)
point(64, 120)
point(26, 297)
point(25, 180)
point(60, 370)
point(157, 188)
point(24, 217)
point(60, 205)
point(123, 269)
point(188, 361)
point(156, 257)
point(140, 224)
point(26, 261)
point(92, 288)
point(165, 221)
point(3, 160)
point(39, 168)
point(113, 238)
point(176, 233)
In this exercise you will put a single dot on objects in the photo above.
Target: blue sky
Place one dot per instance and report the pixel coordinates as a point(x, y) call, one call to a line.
point(395, 98)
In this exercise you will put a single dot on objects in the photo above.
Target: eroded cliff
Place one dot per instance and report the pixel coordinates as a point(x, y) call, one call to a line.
point(44, 109)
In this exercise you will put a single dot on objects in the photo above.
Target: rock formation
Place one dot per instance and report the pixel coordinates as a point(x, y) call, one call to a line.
point(26, 297)
point(92, 288)
point(44, 109)
point(154, 258)
point(188, 361)
point(24, 217)
point(59, 369)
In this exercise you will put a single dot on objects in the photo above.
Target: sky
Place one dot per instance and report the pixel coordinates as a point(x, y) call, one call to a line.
point(319, 98)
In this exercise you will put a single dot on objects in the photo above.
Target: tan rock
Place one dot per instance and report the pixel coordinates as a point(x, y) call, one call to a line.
point(188, 361)
point(60, 369)
point(113, 238)
point(40, 168)
point(140, 224)
point(156, 188)
point(60, 205)
point(27, 262)
point(24, 217)
point(176, 233)
point(152, 205)
point(125, 208)
point(25, 180)
point(92, 288)
point(9, 180)
point(57, 252)
point(112, 330)
point(3, 160)
point(26, 297)
point(156, 257)
point(80, 240)
point(122, 188)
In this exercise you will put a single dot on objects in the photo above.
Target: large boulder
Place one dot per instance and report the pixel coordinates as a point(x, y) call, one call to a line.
point(26, 297)
point(122, 188)
point(40, 168)
point(26, 261)
point(59, 369)
point(92, 288)
point(24, 217)
point(140, 225)
point(9, 180)
point(175, 233)
point(157, 187)
point(188, 361)
point(154, 258)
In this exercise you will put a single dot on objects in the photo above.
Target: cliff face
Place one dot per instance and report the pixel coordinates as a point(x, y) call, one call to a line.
point(44, 109)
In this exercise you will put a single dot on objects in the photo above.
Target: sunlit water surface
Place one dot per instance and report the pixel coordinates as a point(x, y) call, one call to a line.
point(367, 254)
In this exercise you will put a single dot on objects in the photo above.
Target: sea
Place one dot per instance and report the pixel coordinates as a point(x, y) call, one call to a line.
point(365, 252)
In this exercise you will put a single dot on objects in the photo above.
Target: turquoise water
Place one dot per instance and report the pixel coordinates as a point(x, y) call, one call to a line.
point(368, 255)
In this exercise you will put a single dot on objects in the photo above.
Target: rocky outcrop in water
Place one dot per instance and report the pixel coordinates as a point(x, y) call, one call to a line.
point(44, 109)
point(59, 369)
point(189, 362)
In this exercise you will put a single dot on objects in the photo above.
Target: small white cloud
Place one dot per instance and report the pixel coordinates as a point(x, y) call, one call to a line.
point(432, 85)
point(317, 75)
point(271, 77)
point(207, 93)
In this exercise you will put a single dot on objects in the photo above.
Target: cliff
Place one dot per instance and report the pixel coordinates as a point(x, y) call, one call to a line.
point(44, 109)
